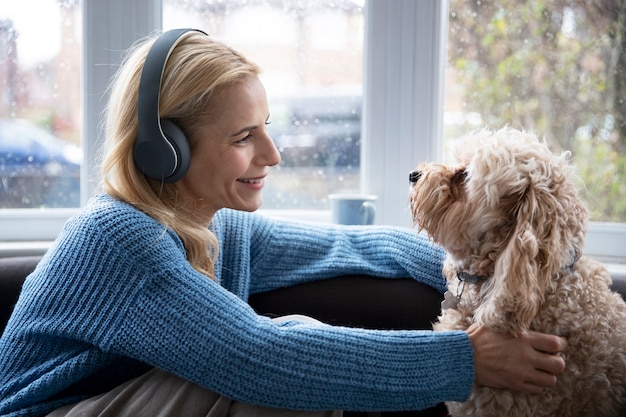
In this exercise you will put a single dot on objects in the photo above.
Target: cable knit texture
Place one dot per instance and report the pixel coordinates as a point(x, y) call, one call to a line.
point(115, 296)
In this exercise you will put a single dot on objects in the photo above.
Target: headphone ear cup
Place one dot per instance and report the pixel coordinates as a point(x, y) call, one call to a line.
point(166, 159)
point(175, 136)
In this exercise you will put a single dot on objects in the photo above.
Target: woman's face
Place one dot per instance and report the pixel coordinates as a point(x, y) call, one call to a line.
point(231, 154)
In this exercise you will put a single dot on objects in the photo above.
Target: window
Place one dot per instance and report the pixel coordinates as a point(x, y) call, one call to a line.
point(556, 68)
point(557, 71)
point(40, 113)
point(402, 113)
point(311, 55)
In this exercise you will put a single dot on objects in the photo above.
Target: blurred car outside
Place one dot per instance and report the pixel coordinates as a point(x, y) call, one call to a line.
point(320, 128)
point(37, 169)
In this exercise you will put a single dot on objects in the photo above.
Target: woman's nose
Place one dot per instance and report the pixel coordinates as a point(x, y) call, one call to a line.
point(414, 176)
point(272, 155)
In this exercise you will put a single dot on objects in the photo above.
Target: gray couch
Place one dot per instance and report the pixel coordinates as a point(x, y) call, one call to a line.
point(359, 301)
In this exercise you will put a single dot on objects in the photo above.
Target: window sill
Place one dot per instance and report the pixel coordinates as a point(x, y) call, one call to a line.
point(322, 216)
point(9, 249)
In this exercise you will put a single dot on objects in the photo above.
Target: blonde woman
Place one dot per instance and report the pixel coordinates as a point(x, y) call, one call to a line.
point(139, 308)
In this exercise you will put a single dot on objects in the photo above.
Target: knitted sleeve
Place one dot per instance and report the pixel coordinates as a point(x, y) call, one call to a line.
point(193, 327)
point(283, 253)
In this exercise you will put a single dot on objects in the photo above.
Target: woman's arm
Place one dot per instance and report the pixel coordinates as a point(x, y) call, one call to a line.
point(283, 253)
point(191, 326)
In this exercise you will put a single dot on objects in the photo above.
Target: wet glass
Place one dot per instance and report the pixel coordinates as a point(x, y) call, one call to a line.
point(311, 55)
point(40, 107)
point(557, 68)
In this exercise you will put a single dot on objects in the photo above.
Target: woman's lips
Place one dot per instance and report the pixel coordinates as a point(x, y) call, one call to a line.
point(251, 180)
point(255, 183)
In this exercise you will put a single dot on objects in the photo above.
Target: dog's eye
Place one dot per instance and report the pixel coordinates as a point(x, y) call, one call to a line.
point(457, 183)
point(460, 176)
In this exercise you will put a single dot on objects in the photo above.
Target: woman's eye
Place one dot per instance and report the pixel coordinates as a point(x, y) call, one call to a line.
point(245, 140)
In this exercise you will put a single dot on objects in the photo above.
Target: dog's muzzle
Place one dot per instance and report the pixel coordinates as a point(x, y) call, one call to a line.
point(414, 176)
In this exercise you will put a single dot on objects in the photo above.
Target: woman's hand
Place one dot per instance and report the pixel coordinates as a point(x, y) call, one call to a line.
point(528, 362)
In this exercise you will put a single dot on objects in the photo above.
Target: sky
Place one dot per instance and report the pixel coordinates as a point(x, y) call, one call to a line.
point(38, 33)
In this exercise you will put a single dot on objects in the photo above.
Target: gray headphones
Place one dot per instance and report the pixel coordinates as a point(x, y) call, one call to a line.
point(161, 150)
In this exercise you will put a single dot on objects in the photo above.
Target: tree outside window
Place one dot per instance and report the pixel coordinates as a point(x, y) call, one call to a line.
point(556, 67)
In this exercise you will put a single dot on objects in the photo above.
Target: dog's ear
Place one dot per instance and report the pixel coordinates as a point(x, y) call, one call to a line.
point(516, 290)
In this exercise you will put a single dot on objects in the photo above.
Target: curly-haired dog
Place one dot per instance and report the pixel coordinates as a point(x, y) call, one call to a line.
point(513, 225)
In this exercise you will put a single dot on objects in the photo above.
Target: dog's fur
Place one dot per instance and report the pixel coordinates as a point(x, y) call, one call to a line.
point(509, 212)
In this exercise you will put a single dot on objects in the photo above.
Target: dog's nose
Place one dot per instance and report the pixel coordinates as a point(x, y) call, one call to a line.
point(414, 176)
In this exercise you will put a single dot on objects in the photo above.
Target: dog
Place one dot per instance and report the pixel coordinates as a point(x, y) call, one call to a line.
point(510, 218)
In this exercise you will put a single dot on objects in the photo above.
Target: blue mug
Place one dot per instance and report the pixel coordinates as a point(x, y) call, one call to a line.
point(352, 209)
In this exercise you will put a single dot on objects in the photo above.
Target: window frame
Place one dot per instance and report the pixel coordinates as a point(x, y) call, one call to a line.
point(404, 70)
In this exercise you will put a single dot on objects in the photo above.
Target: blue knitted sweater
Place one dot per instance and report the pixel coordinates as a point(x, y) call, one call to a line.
point(115, 296)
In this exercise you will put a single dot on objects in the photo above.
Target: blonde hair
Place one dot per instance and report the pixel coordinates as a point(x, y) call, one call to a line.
point(198, 68)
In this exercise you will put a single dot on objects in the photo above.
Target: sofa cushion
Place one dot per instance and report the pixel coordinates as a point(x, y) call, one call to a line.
point(356, 301)
point(13, 271)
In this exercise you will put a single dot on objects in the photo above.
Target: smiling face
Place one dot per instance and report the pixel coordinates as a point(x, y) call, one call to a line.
point(231, 153)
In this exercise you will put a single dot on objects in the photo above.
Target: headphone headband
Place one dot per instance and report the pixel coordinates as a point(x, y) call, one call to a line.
point(161, 150)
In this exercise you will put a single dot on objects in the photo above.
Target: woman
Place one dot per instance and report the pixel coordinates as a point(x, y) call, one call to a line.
point(139, 308)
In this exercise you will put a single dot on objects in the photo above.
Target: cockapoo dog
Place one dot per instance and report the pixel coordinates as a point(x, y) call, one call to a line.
point(513, 225)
